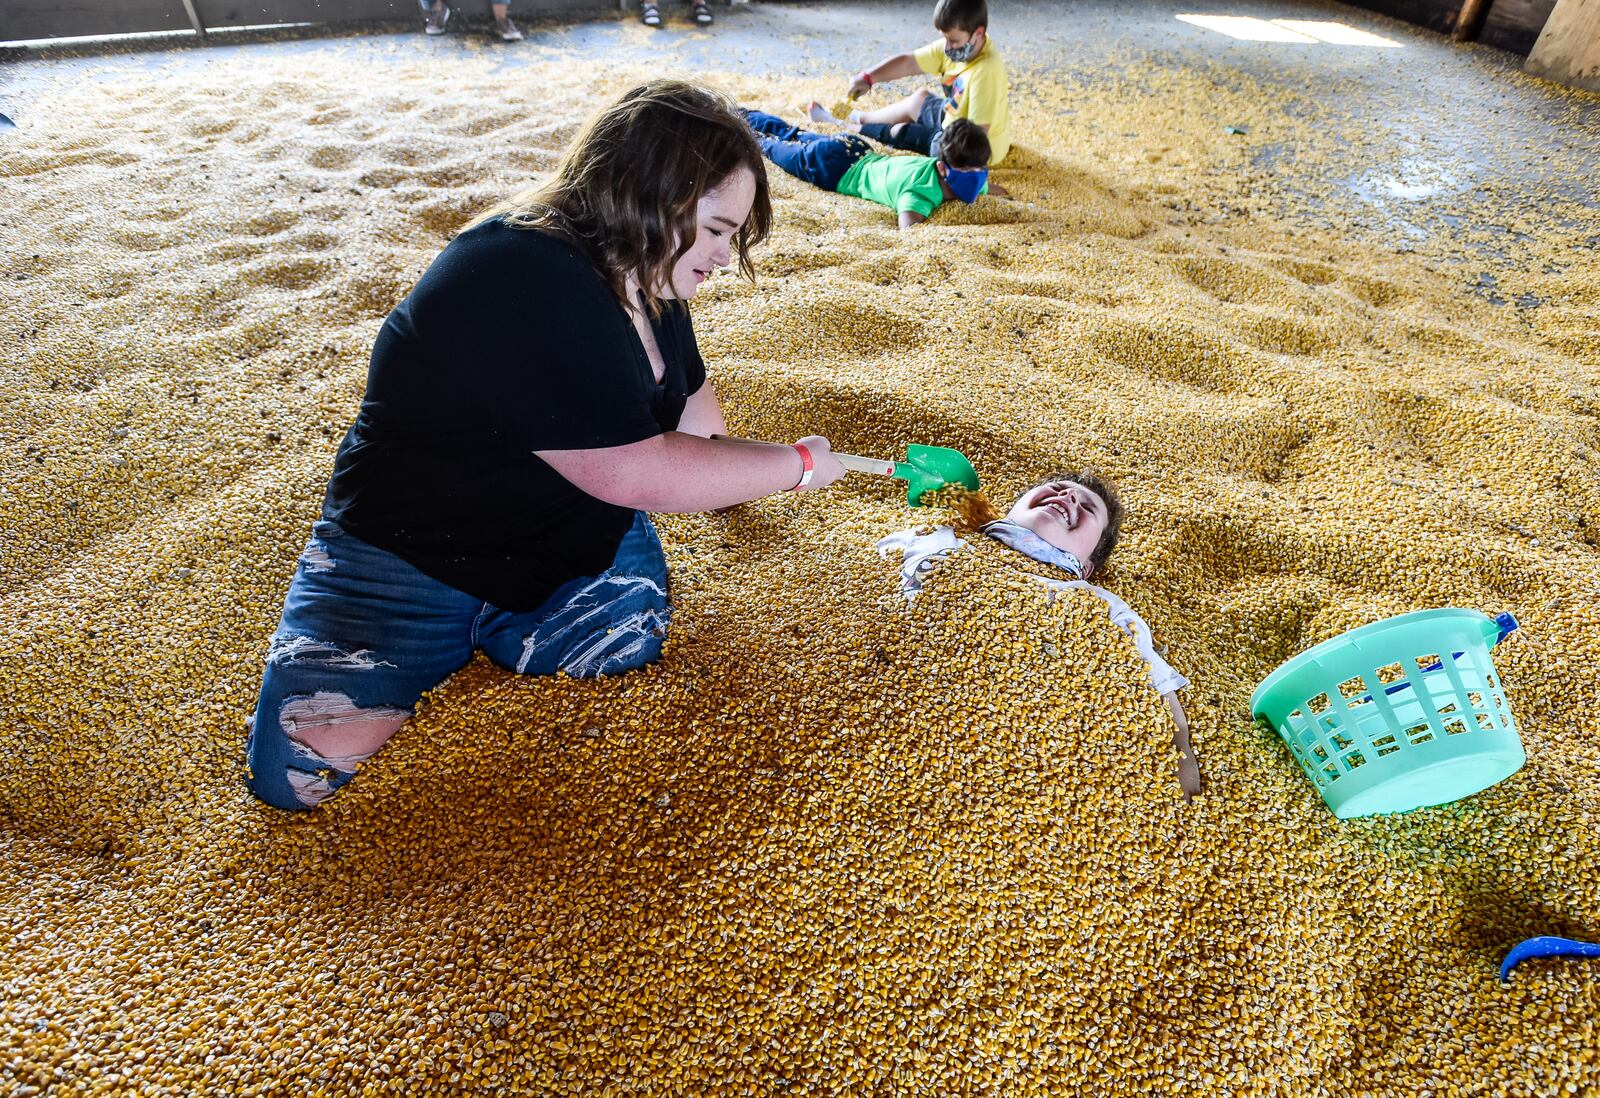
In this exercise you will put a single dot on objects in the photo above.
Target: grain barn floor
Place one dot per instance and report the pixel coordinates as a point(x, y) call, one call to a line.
point(1344, 365)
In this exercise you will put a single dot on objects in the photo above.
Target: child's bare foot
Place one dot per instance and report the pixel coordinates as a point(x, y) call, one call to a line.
point(818, 113)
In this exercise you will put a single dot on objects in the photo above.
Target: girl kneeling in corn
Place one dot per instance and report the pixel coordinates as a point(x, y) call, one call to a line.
point(534, 396)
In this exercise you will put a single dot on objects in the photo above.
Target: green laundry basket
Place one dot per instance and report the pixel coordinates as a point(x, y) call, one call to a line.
point(1399, 714)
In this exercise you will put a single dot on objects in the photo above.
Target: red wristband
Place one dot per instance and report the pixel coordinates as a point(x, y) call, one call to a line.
point(805, 457)
point(867, 76)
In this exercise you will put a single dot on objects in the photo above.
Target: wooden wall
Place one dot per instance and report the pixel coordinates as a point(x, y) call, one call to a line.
point(1514, 25)
point(1437, 15)
point(1511, 25)
point(21, 20)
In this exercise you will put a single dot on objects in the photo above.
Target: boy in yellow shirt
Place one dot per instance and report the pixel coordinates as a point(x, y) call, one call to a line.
point(972, 82)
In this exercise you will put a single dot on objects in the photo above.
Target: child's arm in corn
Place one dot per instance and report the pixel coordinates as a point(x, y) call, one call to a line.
point(1188, 761)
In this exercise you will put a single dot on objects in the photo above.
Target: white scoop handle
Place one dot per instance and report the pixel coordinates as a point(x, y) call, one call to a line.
point(865, 465)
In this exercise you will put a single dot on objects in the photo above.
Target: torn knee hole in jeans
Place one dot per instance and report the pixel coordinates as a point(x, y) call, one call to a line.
point(330, 737)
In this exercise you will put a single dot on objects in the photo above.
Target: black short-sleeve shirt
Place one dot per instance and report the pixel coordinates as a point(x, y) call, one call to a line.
point(511, 342)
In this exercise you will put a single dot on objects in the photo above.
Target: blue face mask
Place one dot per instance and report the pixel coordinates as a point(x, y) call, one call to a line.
point(1031, 545)
point(967, 183)
point(959, 54)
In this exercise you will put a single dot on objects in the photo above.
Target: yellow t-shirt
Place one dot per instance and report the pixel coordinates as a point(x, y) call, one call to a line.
point(978, 87)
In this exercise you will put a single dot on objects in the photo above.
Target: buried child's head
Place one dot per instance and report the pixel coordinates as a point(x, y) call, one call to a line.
point(1075, 514)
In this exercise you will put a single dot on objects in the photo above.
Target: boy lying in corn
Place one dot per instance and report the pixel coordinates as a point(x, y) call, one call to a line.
point(912, 186)
point(1069, 524)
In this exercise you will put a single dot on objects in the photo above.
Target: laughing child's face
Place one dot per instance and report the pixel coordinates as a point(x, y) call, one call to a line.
point(1065, 514)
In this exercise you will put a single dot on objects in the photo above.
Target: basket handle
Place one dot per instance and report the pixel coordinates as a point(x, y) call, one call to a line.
point(1502, 627)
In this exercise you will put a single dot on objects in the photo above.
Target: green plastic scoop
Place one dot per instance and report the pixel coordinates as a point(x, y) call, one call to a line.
point(925, 469)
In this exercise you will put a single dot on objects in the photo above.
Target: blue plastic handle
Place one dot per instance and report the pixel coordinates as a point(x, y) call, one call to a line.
point(1507, 621)
point(1545, 947)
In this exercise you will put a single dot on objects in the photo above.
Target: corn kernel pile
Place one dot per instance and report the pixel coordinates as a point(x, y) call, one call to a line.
point(829, 845)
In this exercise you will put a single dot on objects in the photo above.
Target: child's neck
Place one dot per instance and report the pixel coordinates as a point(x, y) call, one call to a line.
point(1034, 548)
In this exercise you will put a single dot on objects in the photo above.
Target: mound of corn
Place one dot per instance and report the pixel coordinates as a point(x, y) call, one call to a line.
point(827, 845)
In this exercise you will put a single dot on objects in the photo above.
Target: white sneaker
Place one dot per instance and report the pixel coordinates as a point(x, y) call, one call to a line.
point(437, 19)
point(507, 30)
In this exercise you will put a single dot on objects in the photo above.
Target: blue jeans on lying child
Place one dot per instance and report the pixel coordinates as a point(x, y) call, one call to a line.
point(364, 635)
point(817, 158)
point(921, 136)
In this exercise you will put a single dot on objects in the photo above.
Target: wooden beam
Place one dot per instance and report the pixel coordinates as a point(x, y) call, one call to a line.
point(194, 17)
point(1568, 49)
point(1469, 20)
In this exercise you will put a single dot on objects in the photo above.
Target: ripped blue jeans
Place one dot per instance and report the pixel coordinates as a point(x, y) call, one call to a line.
point(364, 635)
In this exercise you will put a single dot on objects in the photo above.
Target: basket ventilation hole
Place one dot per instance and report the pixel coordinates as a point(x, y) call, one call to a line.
point(1319, 704)
point(1429, 662)
point(1352, 687)
point(1455, 727)
point(1389, 674)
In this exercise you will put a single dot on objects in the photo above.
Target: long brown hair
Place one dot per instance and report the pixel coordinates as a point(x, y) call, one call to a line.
point(628, 186)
